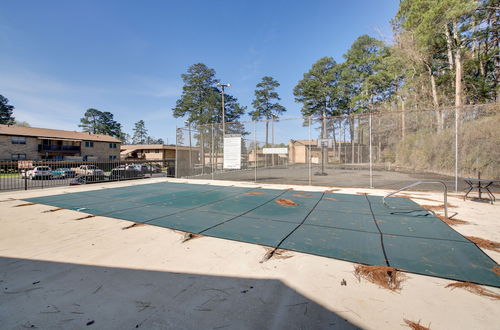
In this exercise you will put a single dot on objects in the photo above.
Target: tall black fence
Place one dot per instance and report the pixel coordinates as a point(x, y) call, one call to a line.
point(31, 174)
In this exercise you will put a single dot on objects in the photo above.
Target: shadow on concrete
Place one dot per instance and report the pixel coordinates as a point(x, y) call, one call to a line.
point(53, 295)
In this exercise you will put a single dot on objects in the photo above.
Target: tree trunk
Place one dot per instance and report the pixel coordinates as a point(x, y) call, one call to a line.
point(458, 69)
point(403, 120)
point(323, 127)
point(481, 62)
point(496, 45)
point(351, 122)
point(449, 47)
point(435, 100)
point(474, 39)
point(379, 138)
point(267, 133)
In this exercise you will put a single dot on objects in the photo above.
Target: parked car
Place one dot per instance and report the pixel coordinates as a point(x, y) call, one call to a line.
point(122, 174)
point(63, 173)
point(38, 172)
point(88, 170)
point(137, 167)
point(154, 168)
point(83, 179)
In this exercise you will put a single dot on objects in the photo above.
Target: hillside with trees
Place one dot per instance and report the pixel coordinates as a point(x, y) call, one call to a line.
point(444, 58)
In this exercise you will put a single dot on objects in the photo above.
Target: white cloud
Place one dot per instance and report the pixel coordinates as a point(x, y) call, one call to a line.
point(44, 101)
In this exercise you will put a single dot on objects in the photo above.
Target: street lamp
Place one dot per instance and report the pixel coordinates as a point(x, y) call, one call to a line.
point(222, 86)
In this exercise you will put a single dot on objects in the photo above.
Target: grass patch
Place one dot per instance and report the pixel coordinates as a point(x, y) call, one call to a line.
point(10, 175)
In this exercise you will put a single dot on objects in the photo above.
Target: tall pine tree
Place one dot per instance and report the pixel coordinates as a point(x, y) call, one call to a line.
point(6, 111)
point(266, 102)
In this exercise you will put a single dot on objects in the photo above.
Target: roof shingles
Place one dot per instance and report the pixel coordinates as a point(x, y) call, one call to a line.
point(54, 133)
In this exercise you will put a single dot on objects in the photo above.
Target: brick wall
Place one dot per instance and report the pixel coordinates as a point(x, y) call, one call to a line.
point(101, 150)
point(30, 149)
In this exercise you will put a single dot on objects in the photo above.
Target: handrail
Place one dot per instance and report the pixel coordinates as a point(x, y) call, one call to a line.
point(445, 196)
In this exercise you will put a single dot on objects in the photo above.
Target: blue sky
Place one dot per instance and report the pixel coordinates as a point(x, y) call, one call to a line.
point(59, 58)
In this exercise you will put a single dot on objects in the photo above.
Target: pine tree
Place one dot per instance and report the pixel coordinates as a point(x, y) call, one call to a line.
point(140, 133)
point(201, 100)
point(265, 102)
point(6, 111)
point(98, 122)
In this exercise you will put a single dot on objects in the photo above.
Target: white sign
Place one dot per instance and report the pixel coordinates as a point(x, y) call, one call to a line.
point(232, 152)
point(25, 164)
point(278, 151)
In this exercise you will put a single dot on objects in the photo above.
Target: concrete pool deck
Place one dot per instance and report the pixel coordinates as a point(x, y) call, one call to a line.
point(59, 272)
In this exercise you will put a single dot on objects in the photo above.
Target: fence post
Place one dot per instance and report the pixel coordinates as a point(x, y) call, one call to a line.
point(42, 179)
point(190, 152)
point(456, 149)
point(309, 153)
point(371, 161)
point(212, 153)
point(255, 150)
point(201, 133)
point(25, 180)
point(176, 170)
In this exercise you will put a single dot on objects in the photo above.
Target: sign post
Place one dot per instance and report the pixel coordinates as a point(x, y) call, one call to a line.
point(25, 165)
point(324, 144)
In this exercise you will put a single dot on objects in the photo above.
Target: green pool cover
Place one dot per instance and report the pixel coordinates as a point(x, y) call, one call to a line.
point(355, 228)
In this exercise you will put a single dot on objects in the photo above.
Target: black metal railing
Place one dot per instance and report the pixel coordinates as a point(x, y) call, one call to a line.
point(57, 148)
point(26, 174)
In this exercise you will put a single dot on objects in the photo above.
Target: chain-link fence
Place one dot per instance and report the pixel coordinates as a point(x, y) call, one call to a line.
point(383, 149)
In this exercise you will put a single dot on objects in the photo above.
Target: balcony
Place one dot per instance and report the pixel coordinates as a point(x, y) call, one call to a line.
point(60, 149)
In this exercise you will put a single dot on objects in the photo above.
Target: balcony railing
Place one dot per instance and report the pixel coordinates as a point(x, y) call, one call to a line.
point(56, 148)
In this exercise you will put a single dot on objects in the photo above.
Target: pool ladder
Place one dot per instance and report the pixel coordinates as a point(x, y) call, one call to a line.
point(445, 197)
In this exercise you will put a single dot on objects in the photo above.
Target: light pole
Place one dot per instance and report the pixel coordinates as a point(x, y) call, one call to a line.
point(222, 86)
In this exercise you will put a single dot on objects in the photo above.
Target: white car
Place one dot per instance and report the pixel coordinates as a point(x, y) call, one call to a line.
point(88, 170)
point(39, 172)
point(137, 167)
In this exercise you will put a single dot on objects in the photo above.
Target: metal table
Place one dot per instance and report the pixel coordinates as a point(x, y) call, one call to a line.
point(480, 185)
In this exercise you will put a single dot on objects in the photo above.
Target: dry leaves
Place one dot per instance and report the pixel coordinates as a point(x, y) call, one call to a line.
point(285, 202)
point(384, 276)
point(415, 325)
point(474, 288)
point(484, 243)
point(452, 222)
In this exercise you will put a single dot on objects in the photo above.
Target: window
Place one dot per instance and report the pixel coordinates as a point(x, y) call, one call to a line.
point(112, 145)
point(18, 140)
point(89, 144)
point(18, 156)
point(112, 157)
